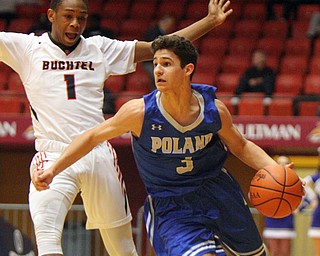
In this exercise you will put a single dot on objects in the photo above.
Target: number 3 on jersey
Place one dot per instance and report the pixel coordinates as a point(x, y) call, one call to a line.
point(71, 88)
point(188, 162)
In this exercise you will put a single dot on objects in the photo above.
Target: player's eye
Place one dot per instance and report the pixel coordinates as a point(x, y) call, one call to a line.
point(82, 19)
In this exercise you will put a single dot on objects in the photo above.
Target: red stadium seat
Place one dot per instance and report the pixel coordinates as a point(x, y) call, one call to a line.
point(312, 84)
point(142, 10)
point(29, 10)
point(133, 28)
point(314, 66)
point(254, 11)
point(208, 63)
point(2, 25)
point(117, 10)
point(242, 46)
point(20, 25)
point(196, 10)
point(139, 82)
point(273, 62)
point(248, 28)
point(214, 46)
point(15, 83)
point(10, 105)
point(299, 29)
point(237, 8)
point(305, 11)
point(251, 107)
point(125, 97)
point(3, 80)
point(235, 63)
point(294, 64)
point(288, 84)
point(227, 102)
point(204, 78)
point(298, 46)
point(275, 29)
point(308, 108)
point(115, 84)
point(170, 7)
point(225, 30)
point(280, 107)
point(112, 24)
point(227, 82)
point(316, 50)
point(271, 46)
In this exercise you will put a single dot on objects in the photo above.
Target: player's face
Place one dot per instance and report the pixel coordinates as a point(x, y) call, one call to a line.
point(68, 21)
point(168, 73)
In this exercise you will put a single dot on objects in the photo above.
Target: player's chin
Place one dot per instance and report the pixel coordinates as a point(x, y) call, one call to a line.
point(70, 40)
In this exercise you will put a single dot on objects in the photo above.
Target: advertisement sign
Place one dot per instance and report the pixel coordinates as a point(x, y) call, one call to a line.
point(264, 131)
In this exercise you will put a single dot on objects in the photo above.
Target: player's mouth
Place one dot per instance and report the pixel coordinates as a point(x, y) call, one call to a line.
point(160, 80)
point(72, 36)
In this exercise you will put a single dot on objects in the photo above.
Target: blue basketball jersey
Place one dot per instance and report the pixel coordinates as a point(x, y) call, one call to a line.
point(173, 159)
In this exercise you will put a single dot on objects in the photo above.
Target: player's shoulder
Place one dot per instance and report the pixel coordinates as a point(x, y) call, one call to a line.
point(134, 107)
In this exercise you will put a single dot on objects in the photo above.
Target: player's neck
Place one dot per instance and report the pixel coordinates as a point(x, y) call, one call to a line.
point(184, 109)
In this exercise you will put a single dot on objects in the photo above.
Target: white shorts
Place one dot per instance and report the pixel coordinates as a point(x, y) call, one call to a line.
point(97, 176)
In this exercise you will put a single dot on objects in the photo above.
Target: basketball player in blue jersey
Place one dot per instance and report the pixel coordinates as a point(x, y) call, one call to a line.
point(63, 75)
point(181, 136)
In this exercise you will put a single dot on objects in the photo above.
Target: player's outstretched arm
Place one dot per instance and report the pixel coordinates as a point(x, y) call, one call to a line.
point(217, 13)
point(129, 118)
point(247, 151)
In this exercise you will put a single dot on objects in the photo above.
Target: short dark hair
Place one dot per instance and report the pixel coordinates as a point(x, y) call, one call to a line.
point(180, 46)
point(54, 4)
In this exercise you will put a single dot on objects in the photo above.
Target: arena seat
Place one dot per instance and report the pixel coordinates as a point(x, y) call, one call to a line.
point(251, 107)
point(312, 84)
point(280, 107)
point(309, 108)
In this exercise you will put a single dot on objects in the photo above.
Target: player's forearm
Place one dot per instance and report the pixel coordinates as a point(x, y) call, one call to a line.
point(254, 156)
point(197, 29)
point(78, 148)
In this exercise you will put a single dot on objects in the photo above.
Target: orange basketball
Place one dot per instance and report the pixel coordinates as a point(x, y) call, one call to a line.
point(276, 191)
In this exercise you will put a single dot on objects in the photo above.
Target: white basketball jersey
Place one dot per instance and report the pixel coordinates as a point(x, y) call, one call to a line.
point(65, 91)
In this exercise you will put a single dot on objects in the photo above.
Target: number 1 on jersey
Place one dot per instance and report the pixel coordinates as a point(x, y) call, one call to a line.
point(71, 88)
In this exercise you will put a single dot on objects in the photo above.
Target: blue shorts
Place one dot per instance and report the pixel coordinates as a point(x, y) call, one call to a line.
point(201, 221)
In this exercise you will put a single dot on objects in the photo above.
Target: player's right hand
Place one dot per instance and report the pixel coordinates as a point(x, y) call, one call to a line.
point(41, 179)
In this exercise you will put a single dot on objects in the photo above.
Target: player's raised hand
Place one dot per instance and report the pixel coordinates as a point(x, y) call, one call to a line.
point(41, 179)
point(218, 10)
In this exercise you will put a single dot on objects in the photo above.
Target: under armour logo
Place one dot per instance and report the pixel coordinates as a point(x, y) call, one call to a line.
point(158, 127)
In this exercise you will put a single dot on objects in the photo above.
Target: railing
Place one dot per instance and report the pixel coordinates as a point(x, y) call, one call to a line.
point(78, 241)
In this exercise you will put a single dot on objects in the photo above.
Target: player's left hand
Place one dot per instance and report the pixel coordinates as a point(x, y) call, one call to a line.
point(41, 179)
point(218, 10)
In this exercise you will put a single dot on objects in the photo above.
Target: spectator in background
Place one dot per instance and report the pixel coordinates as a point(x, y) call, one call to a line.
point(314, 26)
point(257, 78)
point(95, 28)
point(43, 25)
point(165, 25)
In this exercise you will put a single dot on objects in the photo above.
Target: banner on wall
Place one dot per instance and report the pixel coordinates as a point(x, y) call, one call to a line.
point(264, 131)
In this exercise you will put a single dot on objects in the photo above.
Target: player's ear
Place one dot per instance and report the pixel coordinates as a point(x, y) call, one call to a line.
point(50, 14)
point(189, 68)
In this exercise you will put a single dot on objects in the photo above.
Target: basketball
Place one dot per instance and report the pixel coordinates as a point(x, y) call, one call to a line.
point(276, 191)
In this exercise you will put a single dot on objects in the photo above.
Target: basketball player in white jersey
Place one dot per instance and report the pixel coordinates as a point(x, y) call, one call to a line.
point(63, 75)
